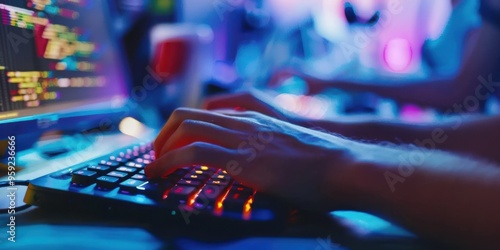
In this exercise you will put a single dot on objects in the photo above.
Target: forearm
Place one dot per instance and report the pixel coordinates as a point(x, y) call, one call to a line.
point(463, 134)
point(438, 93)
point(437, 195)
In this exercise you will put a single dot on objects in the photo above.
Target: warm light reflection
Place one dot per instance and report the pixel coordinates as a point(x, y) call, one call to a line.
point(219, 207)
point(247, 209)
point(132, 127)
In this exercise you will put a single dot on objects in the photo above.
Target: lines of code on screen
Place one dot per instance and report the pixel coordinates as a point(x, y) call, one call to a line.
point(51, 51)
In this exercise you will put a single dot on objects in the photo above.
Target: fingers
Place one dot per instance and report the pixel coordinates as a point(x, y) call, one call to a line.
point(245, 101)
point(198, 153)
point(180, 115)
point(190, 131)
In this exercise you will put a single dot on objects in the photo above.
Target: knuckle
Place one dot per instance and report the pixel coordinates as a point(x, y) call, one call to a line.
point(251, 114)
point(197, 147)
point(179, 112)
point(187, 124)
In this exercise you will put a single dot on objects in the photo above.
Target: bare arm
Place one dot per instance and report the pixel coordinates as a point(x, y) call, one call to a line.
point(482, 61)
point(464, 133)
point(440, 196)
point(478, 136)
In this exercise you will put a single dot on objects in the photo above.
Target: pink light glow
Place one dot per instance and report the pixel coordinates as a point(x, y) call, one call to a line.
point(398, 54)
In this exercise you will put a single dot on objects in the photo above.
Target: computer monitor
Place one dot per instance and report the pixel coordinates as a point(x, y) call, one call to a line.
point(56, 57)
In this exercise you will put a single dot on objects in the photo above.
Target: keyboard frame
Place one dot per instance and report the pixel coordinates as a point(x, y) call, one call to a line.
point(54, 191)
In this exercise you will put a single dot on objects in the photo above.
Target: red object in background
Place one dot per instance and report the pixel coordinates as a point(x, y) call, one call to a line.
point(40, 42)
point(171, 57)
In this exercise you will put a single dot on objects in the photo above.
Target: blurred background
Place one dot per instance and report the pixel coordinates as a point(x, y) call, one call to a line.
point(195, 48)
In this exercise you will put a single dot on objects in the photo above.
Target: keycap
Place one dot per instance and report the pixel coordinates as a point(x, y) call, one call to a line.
point(217, 182)
point(208, 196)
point(220, 177)
point(155, 189)
point(83, 177)
point(107, 182)
point(202, 172)
point(235, 201)
point(109, 163)
point(99, 169)
point(180, 192)
point(131, 185)
point(203, 168)
point(117, 174)
point(126, 169)
point(176, 175)
point(194, 183)
point(198, 177)
point(117, 159)
point(241, 189)
point(140, 177)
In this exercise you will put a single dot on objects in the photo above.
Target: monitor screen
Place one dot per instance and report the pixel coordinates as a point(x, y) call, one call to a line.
point(56, 55)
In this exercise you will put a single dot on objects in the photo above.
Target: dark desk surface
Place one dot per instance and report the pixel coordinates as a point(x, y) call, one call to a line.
point(41, 229)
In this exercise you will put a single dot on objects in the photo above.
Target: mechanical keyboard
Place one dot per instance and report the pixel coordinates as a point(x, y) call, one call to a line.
point(116, 182)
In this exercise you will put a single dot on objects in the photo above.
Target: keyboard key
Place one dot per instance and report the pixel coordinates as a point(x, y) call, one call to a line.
point(127, 169)
point(99, 169)
point(109, 163)
point(131, 185)
point(107, 182)
point(155, 189)
point(208, 196)
point(142, 172)
point(177, 175)
point(220, 177)
point(83, 177)
point(117, 174)
point(222, 183)
point(203, 168)
point(196, 177)
point(235, 201)
point(117, 159)
point(194, 183)
point(181, 193)
point(243, 190)
point(202, 172)
point(139, 177)
point(132, 164)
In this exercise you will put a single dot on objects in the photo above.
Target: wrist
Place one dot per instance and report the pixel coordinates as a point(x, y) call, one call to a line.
point(361, 183)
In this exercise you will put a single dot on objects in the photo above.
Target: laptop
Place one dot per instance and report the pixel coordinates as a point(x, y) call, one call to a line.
point(61, 70)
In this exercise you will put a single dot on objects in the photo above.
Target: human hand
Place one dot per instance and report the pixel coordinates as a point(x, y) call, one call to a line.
point(297, 164)
point(251, 101)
